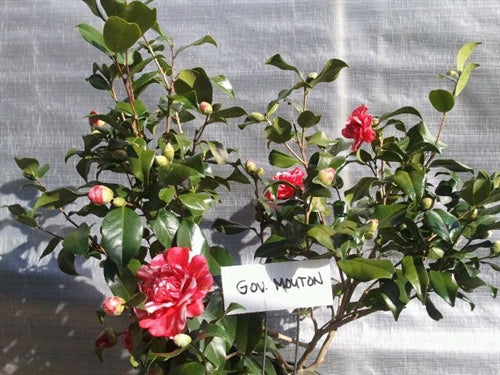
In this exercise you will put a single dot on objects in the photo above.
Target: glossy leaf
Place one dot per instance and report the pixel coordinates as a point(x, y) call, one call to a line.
point(94, 37)
point(444, 285)
point(223, 84)
point(442, 223)
point(464, 53)
point(367, 269)
point(92, 4)
point(308, 119)
point(432, 311)
point(190, 235)
point(218, 257)
point(401, 111)
point(51, 246)
point(415, 273)
point(66, 262)
point(140, 14)
point(442, 100)
point(216, 352)
point(360, 189)
point(207, 39)
point(56, 198)
point(329, 72)
point(278, 62)
point(477, 190)
point(390, 214)
point(112, 7)
point(77, 241)
point(281, 160)
point(229, 227)
point(323, 234)
point(280, 131)
point(119, 35)
point(121, 235)
point(450, 164)
point(411, 182)
point(464, 78)
point(189, 368)
point(196, 201)
point(165, 226)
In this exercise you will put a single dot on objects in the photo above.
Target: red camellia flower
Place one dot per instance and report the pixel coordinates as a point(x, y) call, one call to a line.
point(100, 195)
point(359, 127)
point(174, 285)
point(294, 177)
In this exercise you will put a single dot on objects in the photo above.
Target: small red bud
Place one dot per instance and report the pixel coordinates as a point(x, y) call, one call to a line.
point(113, 306)
point(94, 122)
point(100, 195)
point(206, 108)
point(106, 339)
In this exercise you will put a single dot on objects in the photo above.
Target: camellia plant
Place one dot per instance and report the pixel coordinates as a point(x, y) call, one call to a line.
point(414, 226)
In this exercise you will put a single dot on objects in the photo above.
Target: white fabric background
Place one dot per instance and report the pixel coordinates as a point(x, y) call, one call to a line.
point(395, 49)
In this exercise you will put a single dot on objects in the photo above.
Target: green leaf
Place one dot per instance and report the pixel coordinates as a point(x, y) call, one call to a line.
point(320, 138)
point(444, 285)
point(411, 182)
point(218, 151)
point(329, 72)
point(229, 227)
point(442, 100)
point(112, 7)
point(66, 262)
point(442, 223)
point(400, 111)
point(367, 269)
point(451, 164)
point(390, 214)
point(280, 131)
point(308, 119)
point(77, 241)
point(223, 84)
point(464, 53)
point(121, 235)
point(273, 247)
point(140, 14)
point(141, 162)
point(218, 257)
point(247, 332)
point(196, 202)
point(165, 227)
point(92, 4)
point(98, 82)
point(56, 198)
point(432, 311)
point(51, 246)
point(119, 35)
point(281, 160)
point(477, 190)
point(178, 173)
point(464, 78)
point(190, 235)
point(94, 37)
point(189, 368)
point(216, 352)
point(278, 62)
point(323, 234)
point(203, 40)
point(415, 273)
point(360, 190)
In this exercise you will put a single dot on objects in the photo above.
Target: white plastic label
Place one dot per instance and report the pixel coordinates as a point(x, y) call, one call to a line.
point(277, 286)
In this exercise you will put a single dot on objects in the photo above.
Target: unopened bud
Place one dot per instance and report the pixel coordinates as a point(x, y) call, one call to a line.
point(169, 152)
point(250, 166)
point(206, 108)
point(119, 155)
point(473, 214)
point(371, 228)
point(256, 116)
point(311, 77)
point(426, 203)
point(495, 248)
point(94, 122)
point(106, 339)
point(100, 195)
point(119, 202)
point(113, 306)
point(325, 176)
point(182, 340)
point(161, 160)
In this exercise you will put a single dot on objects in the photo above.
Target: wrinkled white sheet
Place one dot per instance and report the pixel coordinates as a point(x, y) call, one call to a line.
point(395, 50)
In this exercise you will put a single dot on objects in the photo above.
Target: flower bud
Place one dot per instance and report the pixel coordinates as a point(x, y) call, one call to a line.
point(162, 160)
point(371, 228)
point(250, 166)
point(100, 195)
point(325, 176)
point(95, 122)
point(256, 116)
point(206, 108)
point(495, 248)
point(311, 77)
point(182, 340)
point(473, 214)
point(113, 306)
point(106, 339)
point(169, 152)
point(119, 155)
point(426, 203)
point(119, 202)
